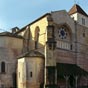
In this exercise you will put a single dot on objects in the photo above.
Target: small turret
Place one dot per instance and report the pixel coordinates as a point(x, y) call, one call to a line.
point(79, 15)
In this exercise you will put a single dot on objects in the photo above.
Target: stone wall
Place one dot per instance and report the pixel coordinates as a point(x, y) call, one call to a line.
point(31, 70)
point(8, 54)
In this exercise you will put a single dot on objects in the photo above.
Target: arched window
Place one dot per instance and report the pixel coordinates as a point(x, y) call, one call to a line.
point(64, 38)
point(2, 67)
point(37, 30)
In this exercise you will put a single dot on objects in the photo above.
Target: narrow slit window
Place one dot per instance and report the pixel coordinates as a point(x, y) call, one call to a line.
point(83, 21)
point(84, 34)
point(71, 47)
point(3, 67)
point(31, 74)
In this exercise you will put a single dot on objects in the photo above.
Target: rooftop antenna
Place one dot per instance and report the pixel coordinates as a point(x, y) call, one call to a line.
point(78, 2)
point(74, 1)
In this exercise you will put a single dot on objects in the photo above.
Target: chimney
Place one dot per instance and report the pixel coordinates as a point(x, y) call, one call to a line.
point(14, 30)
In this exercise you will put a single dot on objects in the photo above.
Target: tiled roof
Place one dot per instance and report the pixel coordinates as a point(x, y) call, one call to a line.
point(77, 8)
point(70, 69)
point(22, 29)
point(10, 34)
point(31, 53)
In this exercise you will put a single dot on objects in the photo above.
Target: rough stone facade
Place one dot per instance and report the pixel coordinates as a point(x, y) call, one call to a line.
point(70, 50)
point(8, 53)
point(32, 67)
point(52, 52)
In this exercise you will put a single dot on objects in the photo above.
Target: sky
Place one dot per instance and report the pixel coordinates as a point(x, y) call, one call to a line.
point(21, 12)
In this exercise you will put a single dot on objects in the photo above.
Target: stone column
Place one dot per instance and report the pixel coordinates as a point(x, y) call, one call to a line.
point(66, 78)
point(44, 76)
point(76, 83)
point(56, 76)
point(45, 64)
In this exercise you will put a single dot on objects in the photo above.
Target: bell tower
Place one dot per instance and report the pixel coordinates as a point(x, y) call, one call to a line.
point(79, 15)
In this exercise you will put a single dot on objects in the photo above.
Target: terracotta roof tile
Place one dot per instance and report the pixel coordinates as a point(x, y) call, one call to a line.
point(77, 8)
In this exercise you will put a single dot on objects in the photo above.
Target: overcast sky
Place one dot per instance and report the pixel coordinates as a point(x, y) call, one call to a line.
point(21, 12)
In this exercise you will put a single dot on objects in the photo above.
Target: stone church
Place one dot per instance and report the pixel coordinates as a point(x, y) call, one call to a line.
point(50, 52)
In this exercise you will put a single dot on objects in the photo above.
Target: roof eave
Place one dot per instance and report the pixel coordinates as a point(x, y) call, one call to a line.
point(22, 29)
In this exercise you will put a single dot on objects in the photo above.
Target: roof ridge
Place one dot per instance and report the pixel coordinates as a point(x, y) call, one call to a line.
point(77, 8)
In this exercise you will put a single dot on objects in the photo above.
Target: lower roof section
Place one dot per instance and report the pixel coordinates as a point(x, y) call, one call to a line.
point(70, 69)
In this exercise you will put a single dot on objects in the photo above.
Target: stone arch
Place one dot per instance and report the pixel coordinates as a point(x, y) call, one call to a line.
point(60, 79)
point(71, 81)
point(64, 36)
point(67, 27)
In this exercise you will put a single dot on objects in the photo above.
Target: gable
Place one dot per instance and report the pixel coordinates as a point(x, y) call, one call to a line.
point(77, 9)
point(62, 17)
